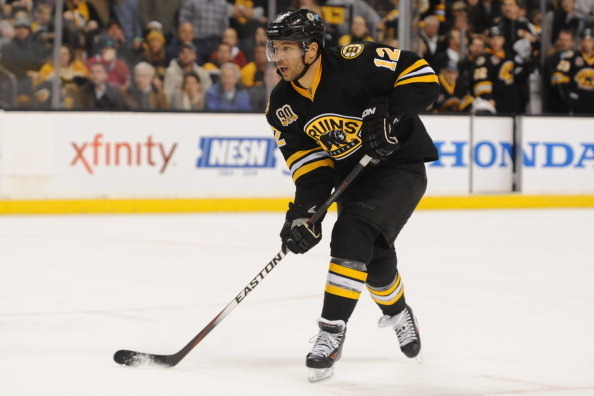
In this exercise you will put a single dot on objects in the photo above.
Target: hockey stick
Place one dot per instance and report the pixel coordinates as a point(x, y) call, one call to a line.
point(132, 358)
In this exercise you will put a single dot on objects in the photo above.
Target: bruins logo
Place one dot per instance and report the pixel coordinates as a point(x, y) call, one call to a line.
point(351, 51)
point(585, 79)
point(336, 134)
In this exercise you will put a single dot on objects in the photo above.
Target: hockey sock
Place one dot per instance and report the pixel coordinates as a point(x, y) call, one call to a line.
point(390, 297)
point(345, 281)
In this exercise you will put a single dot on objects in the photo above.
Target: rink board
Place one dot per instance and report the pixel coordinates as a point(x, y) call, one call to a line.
point(71, 162)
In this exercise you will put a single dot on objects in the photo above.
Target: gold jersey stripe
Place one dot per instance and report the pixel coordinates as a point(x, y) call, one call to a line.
point(351, 273)
point(311, 166)
point(559, 78)
point(483, 88)
point(300, 154)
point(430, 78)
point(417, 65)
point(342, 292)
point(385, 292)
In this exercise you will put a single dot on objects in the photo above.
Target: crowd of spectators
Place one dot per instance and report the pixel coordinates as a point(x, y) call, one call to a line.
point(492, 56)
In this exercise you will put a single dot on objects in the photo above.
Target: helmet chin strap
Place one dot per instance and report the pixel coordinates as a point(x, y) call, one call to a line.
point(306, 68)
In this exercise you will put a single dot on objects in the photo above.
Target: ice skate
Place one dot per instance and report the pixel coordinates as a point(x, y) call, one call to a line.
point(407, 330)
point(326, 350)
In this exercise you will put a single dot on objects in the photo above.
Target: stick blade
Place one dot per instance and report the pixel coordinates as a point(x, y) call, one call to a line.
point(133, 359)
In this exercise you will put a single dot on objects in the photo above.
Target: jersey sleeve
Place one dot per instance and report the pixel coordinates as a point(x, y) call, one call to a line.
point(403, 76)
point(312, 168)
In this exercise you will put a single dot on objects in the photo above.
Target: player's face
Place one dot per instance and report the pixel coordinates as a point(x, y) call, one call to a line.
point(287, 56)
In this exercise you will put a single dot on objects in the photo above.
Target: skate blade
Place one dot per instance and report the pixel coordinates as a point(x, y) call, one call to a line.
point(419, 357)
point(317, 375)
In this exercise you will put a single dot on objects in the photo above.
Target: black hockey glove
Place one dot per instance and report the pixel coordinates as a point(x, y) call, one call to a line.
point(296, 234)
point(377, 132)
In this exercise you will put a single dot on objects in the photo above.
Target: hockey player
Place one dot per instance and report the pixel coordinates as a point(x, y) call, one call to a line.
point(331, 107)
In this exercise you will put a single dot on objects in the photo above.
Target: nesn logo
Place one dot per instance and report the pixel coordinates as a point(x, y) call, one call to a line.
point(232, 152)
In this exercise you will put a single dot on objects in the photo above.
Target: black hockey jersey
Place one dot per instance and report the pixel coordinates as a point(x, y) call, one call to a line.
point(583, 83)
point(494, 78)
point(318, 130)
point(570, 78)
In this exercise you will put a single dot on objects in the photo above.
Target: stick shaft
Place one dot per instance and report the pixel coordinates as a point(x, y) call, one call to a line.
point(130, 358)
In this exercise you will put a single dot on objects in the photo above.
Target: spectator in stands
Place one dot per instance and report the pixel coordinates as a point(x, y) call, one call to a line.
point(143, 93)
point(309, 4)
point(228, 94)
point(482, 14)
point(98, 93)
point(185, 34)
point(114, 32)
point(494, 76)
point(557, 75)
point(210, 19)
point(154, 53)
point(237, 55)
point(566, 17)
point(83, 23)
point(515, 28)
point(586, 8)
point(253, 73)
point(23, 56)
point(452, 52)
point(118, 71)
point(436, 8)
point(453, 95)
point(247, 15)
point(42, 26)
point(387, 27)
point(80, 12)
point(163, 11)
point(258, 38)
point(184, 63)
point(72, 73)
point(459, 19)
point(583, 74)
point(431, 42)
point(535, 18)
point(127, 14)
point(358, 32)
point(569, 75)
point(222, 56)
point(191, 94)
point(476, 48)
point(6, 33)
point(253, 77)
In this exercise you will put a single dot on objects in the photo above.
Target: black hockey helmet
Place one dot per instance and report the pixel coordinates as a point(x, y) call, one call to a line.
point(303, 26)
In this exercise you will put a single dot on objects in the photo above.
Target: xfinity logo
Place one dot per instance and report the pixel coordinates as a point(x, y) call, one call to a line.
point(234, 152)
point(98, 153)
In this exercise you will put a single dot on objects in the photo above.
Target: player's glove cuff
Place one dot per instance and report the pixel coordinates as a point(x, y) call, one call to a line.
point(377, 131)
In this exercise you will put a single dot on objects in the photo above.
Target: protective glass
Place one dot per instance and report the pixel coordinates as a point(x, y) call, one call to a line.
point(279, 50)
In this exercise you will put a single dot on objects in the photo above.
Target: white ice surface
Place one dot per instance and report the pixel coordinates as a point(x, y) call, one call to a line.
point(504, 298)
